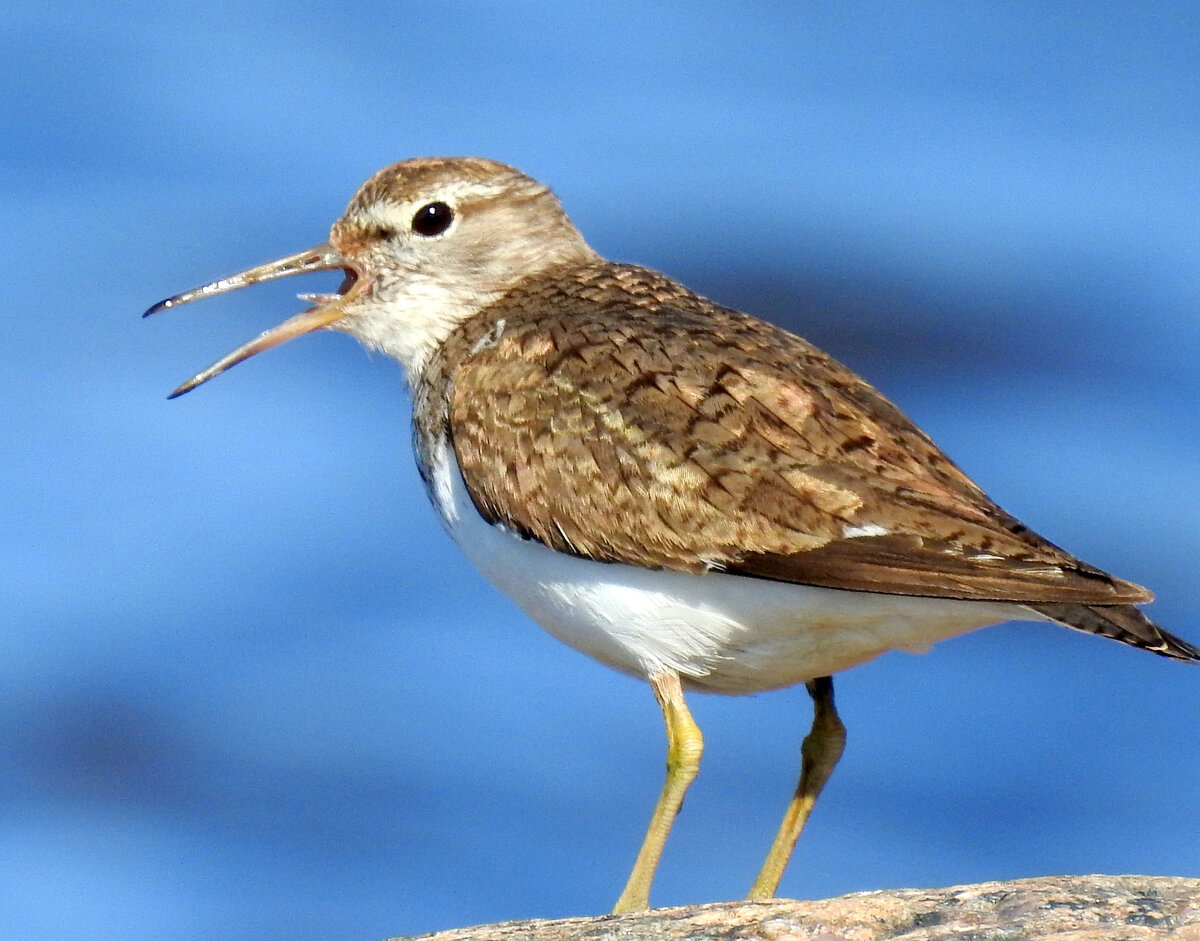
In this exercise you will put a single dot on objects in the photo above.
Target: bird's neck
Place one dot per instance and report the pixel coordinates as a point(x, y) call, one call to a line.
point(413, 315)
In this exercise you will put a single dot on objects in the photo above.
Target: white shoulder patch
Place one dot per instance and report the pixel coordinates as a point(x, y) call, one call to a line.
point(870, 529)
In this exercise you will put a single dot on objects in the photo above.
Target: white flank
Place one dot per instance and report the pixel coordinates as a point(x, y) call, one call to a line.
point(722, 633)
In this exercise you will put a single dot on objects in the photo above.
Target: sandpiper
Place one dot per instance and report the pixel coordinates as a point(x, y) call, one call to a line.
point(683, 492)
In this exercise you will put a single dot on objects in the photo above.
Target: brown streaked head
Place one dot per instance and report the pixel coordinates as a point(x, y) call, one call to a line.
point(425, 244)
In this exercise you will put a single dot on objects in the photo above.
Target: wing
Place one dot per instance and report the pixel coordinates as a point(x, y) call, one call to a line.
point(1124, 623)
point(667, 432)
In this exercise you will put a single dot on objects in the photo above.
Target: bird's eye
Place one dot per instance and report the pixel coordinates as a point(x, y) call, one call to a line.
point(432, 219)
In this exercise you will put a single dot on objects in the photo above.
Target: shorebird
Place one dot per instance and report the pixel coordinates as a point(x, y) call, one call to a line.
point(677, 489)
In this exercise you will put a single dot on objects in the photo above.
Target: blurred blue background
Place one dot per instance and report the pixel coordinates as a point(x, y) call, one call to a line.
point(248, 689)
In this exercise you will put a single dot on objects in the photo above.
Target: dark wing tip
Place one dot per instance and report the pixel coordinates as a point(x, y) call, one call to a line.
point(1124, 623)
point(1179, 649)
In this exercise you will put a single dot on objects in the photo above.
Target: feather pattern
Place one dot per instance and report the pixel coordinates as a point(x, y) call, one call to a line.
point(608, 412)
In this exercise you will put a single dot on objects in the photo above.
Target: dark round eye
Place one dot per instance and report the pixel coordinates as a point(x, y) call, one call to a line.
point(433, 219)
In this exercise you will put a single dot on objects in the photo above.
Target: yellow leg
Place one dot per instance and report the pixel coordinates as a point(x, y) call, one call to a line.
point(684, 746)
point(820, 752)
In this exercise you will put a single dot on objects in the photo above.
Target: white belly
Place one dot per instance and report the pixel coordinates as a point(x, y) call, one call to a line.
point(722, 633)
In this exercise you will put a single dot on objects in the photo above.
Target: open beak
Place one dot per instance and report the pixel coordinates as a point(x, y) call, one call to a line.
point(327, 309)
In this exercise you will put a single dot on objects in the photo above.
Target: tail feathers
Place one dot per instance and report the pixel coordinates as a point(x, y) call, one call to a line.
point(1121, 622)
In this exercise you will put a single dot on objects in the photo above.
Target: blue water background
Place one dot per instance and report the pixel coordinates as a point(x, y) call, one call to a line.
point(249, 690)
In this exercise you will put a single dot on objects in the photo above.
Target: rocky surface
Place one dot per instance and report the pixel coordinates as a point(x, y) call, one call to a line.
point(1066, 908)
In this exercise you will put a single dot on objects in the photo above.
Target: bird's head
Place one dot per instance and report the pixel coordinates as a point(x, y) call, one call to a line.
point(424, 245)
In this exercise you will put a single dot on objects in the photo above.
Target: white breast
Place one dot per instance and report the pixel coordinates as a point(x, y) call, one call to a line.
point(722, 633)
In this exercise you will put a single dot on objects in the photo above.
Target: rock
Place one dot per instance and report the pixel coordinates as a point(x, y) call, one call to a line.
point(1066, 908)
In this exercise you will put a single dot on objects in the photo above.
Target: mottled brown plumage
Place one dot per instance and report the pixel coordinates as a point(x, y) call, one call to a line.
point(608, 412)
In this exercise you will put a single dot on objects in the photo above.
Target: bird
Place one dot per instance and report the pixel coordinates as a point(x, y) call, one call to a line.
point(683, 492)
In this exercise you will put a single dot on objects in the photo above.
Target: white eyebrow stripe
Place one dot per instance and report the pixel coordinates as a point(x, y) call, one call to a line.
point(455, 192)
point(465, 190)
